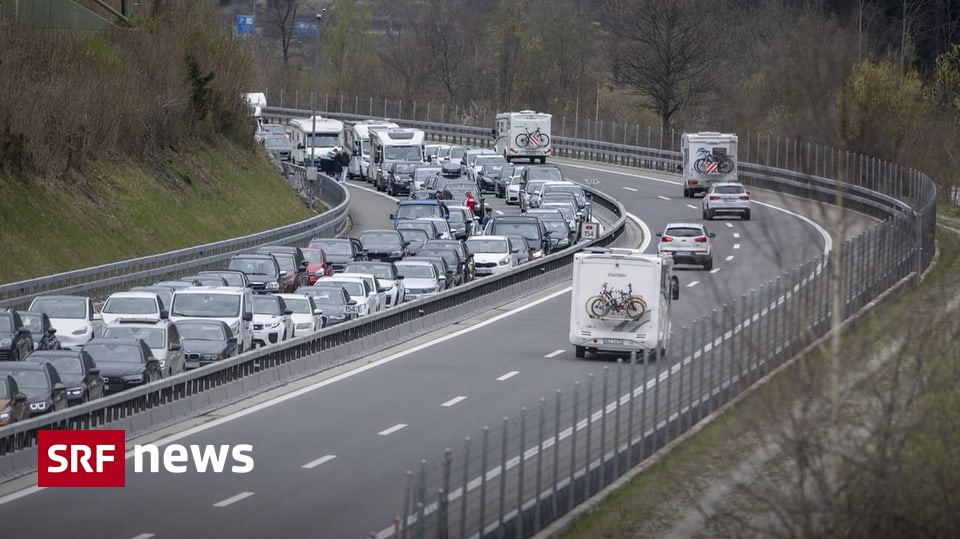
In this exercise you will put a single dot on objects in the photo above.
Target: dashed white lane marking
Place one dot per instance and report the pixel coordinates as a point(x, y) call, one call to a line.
point(454, 400)
point(392, 429)
point(691, 206)
point(144, 536)
point(630, 189)
point(736, 235)
point(663, 197)
point(498, 212)
point(729, 225)
point(233, 499)
point(553, 354)
point(693, 284)
point(314, 463)
point(736, 245)
point(714, 270)
point(507, 376)
point(729, 258)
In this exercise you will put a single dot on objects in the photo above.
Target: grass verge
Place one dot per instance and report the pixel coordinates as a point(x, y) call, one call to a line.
point(124, 208)
point(654, 502)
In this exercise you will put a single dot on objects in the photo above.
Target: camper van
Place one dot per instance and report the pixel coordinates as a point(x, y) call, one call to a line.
point(523, 135)
point(397, 144)
point(356, 138)
point(257, 102)
point(621, 301)
point(314, 140)
point(708, 158)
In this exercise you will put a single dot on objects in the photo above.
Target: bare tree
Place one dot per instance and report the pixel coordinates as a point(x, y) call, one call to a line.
point(665, 54)
point(283, 14)
point(445, 39)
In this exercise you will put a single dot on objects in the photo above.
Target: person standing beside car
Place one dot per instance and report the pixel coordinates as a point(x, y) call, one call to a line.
point(344, 163)
point(471, 203)
point(337, 165)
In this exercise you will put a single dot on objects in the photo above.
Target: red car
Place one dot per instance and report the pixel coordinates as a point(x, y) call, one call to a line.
point(317, 263)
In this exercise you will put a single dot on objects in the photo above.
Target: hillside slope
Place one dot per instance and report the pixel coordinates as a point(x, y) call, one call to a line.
point(127, 209)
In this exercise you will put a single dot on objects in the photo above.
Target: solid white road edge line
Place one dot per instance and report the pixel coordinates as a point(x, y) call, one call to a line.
point(646, 231)
point(508, 376)
point(554, 354)
point(323, 383)
point(454, 400)
point(391, 430)
point(314, 463)
point(144, 536)
point(233, 499)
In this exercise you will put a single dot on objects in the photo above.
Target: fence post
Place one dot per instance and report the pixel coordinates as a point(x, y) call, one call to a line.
point(465, 490)
point(616, 411)
point(442, 532)
point(556, 456)
point(523, 431)
point(630, 412)
point(643, 410)
point(540, 432)
point(603, 427)
point(483, 478)
point(588, 483)
point(503, 475)
point(406, 504)
point(680, 370)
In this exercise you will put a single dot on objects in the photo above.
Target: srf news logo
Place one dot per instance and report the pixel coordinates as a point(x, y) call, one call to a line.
point(97, 458)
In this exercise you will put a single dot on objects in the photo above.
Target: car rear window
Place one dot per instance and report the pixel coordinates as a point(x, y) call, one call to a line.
point(728, 190)
point(684, 232)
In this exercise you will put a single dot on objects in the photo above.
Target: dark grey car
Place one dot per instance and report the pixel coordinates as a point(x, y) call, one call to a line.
point(78, 372)
point(206, 341)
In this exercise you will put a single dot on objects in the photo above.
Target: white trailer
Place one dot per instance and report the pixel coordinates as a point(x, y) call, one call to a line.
point(621, 301)
point(707, 157)
point(314, 140)
point(525, 135)
point(398, 144)
point(356, 136)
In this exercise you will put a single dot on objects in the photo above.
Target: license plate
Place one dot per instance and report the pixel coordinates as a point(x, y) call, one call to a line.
point(106, 387)
point(353, 309)
point(613, 341)
point(483, 270)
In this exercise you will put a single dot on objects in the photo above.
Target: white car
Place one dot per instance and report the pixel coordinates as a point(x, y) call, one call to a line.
point(386, 273)
point(493, 254)
point(687, 243)
point(420, 277)
point(443, 227)
point(74, 318)
point(359, 290)
point(271, 320)
point(727, 198)
point(514, 192)
point(379, 289)
point(139, 305)
point(305, 315)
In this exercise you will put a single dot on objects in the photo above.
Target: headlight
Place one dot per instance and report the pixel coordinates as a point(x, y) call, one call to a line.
point(38, 405)
point(504, 261)
point(80, 331)
point(212, 357)
point(5, 415)
point(135, 379)
point(6, 342)
point(305, 325)
point(75, 392)
point(273, 285)
point(163, 363)
point(275, 324)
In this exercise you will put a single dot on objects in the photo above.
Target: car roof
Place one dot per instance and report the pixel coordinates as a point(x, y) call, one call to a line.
point(62, 296)
point(683, 225)
point(485, 237)
point(21, 365)
point(99, 340)
point(722, 184)
point(208, 289)
point(214, 272)
point(356, 275)
point(200, 321)
point(253, 255)
point(53, 353)
point(135, 294)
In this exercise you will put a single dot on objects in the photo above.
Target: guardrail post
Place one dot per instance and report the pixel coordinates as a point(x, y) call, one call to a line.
point(616, 419)
point(503, 476)
point(464, 488)
point(522, 453)
point(483, 478)
point(603, 427)
point(541, 424)
point(442, 531)
point(556, 457)
point(588, 479)
point(630, 411)
point(407, 493)
point(573, 448)
point(645, 381)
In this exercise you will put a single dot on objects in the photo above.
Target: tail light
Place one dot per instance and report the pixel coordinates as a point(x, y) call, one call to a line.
point(666, 238)
point(744, 197)
point(701, 239)
point(694, 182)
point(714, 197)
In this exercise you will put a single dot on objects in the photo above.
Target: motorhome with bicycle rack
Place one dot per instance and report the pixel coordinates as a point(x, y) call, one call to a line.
point(621, 302)
point(707, 158)
point(524, 135)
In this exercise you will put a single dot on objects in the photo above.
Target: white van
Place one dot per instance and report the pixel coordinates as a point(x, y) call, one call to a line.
point(356, 138)
point(314, 140)
point(621, 301)
point(230, 304)
point(401, 144)
point(525, 134)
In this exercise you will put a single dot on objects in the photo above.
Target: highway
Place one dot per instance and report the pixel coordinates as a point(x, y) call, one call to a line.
point(330, 460)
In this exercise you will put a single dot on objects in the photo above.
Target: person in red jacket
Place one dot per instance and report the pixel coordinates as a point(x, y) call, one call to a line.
point(471, 203)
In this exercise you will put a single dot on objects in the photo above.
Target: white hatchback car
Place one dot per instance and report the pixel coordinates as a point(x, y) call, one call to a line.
point(379, 289)
point(305, 316)
point(140, 305)
point(728, 198)
point(687, 243)
point(359, 290)
point(493, 254)
point(74, 317)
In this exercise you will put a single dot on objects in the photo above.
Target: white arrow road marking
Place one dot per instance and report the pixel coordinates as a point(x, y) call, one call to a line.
point(392, 429)
point(693, 284)
point(233, 499)
point(144, 536)
point(507, 376)
point(554, 354)
point(453, 401)
point(314, 463)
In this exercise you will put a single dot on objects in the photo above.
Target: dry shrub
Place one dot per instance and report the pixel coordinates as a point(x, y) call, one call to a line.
point(71, 97)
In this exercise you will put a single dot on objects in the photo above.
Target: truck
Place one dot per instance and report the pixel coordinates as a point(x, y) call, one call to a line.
point(524, 135)
point(707, 157)
point(356, 137)
point(395, 144)
point(621, 301)
point(314, 140)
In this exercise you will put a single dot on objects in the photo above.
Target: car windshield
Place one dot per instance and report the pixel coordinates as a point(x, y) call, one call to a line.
point(75, 308)
point(480, 245)
point(422, 226)
point(379, 239)
point(527, 230)
point(266, 305)
point(421, 174)
point(298, 305)
point(403, 153)
point(66, 365)
point(556, 225)
point(254, 266)
point(413, 234)
point(325, 295)
point(532, 186)
point(130, 306)
point(6, 323)
point(333, 247)
point(492, 169)
point(355, 289)
point(547, 173)
point(455, 245)
point(322, 140)
point(416, 271)
point(377, 270)
point(415, 211)
point(279, 143)
point(206, 305)
point(404, 168)
point(457, 216)
point(456, 154)
point(154, 337)
point(286, 263)
point(313, 256)
point(28, 379)
point(456, 193)
point(449, 256)
point(683, 232)
point(202, 332)
point(565, 211)
point(572, 189)
point(728, 190)
point(110, 352)
point(33, 322)
point(233, 279)
point(166, 294)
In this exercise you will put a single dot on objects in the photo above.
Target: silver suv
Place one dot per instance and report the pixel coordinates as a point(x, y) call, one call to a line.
point(725, 199)
point(687, 243)
point(161, 336)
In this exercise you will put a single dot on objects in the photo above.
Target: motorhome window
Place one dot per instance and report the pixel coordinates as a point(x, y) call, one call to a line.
point(323, 140)
point(365, 148)
point(402, 153)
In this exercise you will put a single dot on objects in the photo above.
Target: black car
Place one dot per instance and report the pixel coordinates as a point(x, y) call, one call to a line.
point(13, 402)
point(561, 236)
point(339, 251)
point(415, 236)
point(530, 228)
point(461, 248)
point(400, 177)
point(487, 177)
point(262, 270)
point(452, 258)
point(333, 300)
point(206, 341)
point(383, 244)
point(124, 363)
point(502, 179)
point(233, 278)
point(78, 372)
point(15, 338)
point(40, 383)
point(43, 333)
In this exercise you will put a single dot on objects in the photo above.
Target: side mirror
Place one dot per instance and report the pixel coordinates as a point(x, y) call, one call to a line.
point(659, 234)
point(59, 387)
point(97, 316)
point(305, 263)
point(399, 277)
point(352, 302)
point(23, 331)
point(300, 146)
point(248, 317)
point(232, 340)
point(94, 371)
point(153, 362)
point(52, 331)
point(175, 346)
point(318, 311)
point(675, 287)
point(443, 278)
point(381, 289)
point(393, 217)
point(164, 314)
point(20, 397)
point(288, 312)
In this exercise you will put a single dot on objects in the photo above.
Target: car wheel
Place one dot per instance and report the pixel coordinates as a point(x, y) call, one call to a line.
point(686, 193)
point(704, 212)
point(710, 215)
point(709, 265)
point(580, 352)
point(746, 215)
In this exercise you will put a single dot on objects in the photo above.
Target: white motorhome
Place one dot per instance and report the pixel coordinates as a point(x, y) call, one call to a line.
point(356, 138)
point(621, 301)
point(398, 144)
point(707, 158)
point(524, 135)
point(257, 102)
point(314, 140)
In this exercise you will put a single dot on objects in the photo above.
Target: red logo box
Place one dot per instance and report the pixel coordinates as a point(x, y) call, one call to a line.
point(81, 458)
